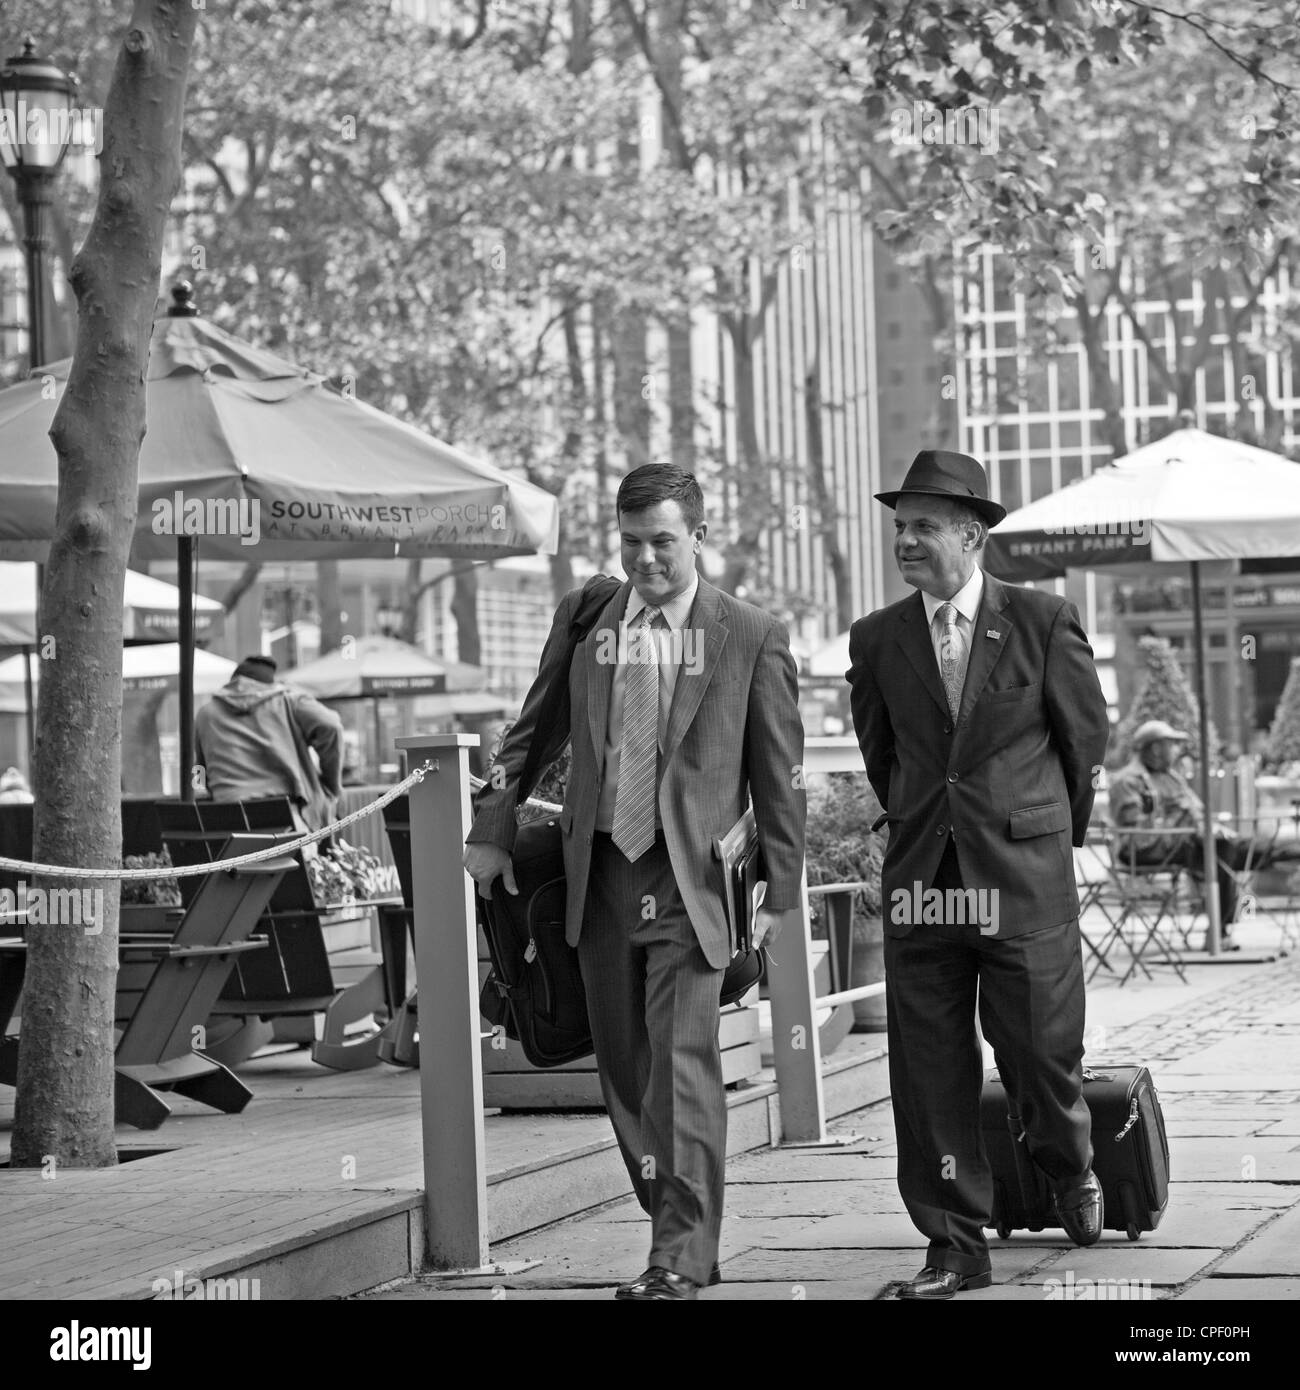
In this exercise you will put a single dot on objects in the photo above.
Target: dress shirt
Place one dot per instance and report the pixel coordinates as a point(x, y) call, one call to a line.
point(671, 642)
point(967, 603)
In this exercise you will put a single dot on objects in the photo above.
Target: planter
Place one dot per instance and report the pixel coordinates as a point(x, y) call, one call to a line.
point(867, 967)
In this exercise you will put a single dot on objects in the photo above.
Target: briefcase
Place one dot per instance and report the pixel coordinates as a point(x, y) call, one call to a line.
point(1129, 1146)
point(745, 876)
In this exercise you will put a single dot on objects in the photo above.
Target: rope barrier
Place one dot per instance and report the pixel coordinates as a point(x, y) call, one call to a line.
point(192, 870)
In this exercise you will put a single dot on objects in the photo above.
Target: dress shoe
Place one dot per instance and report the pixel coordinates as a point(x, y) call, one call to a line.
point(1080, 1209)
point(715, 1277)
point(943, 1283)
point(659, 1285)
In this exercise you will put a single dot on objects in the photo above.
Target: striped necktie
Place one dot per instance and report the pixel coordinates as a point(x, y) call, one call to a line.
point(634, 800)
point(952, 665)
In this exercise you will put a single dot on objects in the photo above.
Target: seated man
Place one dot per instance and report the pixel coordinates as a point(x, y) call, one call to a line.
point(1147, 792)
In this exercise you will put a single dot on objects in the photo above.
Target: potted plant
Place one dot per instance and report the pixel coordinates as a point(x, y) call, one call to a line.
point(146, 902)
point(841, 848)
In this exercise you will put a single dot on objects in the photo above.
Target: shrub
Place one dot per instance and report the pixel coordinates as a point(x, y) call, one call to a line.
point(1283, 745)
point(1163, 692)
point(841, 847)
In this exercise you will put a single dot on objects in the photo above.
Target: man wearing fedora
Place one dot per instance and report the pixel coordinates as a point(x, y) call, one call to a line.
point(983, 726)
point(1148, 793)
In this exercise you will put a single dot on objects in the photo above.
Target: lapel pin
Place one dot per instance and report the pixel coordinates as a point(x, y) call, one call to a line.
point(993, 633)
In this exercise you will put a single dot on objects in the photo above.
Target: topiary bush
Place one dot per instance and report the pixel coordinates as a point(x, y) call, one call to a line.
point(1163, 692)
point(1283, 747)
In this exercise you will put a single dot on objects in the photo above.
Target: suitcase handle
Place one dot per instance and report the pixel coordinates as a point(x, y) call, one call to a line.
point(1131, 1121)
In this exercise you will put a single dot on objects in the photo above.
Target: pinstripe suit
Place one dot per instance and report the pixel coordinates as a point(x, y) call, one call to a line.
point(733, 735)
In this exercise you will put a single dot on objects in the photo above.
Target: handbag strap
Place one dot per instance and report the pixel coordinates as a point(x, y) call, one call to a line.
point(596, 593)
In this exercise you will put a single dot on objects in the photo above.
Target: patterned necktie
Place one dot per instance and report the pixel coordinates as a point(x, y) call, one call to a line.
point(634, 799)
point(951, 656)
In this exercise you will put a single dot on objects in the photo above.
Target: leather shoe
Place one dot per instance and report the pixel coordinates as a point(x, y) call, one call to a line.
point(943, 1283)
point(659, 1285)
point(1080, 1209)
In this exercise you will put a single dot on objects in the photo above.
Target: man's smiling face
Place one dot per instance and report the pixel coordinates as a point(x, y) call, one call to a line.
point(932, 543)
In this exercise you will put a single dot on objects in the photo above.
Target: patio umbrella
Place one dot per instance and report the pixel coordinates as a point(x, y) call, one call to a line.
point(382, 668)
point(149, 608)
point(256, 458)
point(1190, 498)
point(146, 668)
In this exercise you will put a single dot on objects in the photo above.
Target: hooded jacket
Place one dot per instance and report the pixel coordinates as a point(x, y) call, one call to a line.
point(252, 739)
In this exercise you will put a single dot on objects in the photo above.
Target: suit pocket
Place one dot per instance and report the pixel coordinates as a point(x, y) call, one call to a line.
point(1050, 818)
point(1011, 694)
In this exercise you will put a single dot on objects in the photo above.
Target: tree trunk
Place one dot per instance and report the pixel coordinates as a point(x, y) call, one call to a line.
point(464, 608)
point(329, 605)
point(1101, 383)
point(64, 1106)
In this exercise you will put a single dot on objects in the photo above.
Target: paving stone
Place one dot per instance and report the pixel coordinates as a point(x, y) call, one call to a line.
point(813, 1198)
point(814, 1266)
point(1251, 1054)
point(1252, 1159)
point(1192, 1128)
point(851, 1232)
point(864, 1290)
point(1127, 1260)
point(1216, 1290)
point(801, 1165)
point(1217, 1217)
point(1274, 1251)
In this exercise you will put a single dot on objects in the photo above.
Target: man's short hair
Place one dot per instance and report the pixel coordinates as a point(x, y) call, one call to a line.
point(653, 483)
point(960, 514)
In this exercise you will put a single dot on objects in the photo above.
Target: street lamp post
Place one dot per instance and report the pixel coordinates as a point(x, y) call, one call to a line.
point(35, 106)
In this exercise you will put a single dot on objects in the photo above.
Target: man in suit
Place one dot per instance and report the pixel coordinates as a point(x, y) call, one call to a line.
point(983, 726)
point(683, 709)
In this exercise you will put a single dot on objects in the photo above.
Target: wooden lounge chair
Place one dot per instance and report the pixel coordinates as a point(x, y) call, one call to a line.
point(279, 992)
point(167, 986)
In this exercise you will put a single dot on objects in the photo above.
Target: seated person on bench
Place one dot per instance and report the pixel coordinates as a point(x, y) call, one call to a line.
point(1149, 792)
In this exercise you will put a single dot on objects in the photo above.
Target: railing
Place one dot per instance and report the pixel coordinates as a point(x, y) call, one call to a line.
point(446, 963)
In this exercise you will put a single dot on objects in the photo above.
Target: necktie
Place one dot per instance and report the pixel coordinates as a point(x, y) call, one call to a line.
point(634, 800)
point(951, 656)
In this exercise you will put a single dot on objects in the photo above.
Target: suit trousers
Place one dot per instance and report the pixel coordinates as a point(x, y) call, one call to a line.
point(1030, 994)
point(653, 1002)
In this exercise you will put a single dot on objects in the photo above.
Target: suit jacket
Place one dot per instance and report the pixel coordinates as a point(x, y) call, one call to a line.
point(734, 735)
point(1012, 781)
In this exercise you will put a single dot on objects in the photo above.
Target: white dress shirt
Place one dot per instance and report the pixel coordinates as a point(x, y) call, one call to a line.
point(670, 643)
point(967, 603)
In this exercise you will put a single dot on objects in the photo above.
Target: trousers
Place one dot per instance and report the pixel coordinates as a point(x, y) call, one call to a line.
point(653, 1004)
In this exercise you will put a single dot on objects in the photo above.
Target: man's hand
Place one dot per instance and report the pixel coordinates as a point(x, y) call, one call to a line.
point(485, 863)
point(768, 924)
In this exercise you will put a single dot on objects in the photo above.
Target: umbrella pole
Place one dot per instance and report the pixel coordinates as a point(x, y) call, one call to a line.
point(185, 549)
point(1212, 907)
point(31, 708)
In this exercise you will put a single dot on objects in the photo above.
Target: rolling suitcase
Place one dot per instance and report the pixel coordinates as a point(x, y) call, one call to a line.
point(1130, 1155)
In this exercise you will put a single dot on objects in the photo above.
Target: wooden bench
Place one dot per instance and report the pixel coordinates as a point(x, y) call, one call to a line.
point(167, 986)
point(279, 993)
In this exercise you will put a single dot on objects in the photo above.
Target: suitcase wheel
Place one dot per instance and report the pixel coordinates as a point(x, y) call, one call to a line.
point(1038, 1227)
point(1004, 1231)
point(1132, 1231)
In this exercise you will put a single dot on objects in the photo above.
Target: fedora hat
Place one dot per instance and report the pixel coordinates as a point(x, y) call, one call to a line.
point(940, 473)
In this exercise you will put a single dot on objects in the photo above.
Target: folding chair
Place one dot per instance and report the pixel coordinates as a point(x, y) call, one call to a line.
point(1139, 902)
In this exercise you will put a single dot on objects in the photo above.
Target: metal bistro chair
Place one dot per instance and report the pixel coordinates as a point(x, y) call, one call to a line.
point(1140, 904)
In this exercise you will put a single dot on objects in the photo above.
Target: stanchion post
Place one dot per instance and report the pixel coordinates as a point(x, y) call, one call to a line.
point(446, 966)
point(796, 1044)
